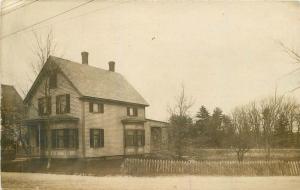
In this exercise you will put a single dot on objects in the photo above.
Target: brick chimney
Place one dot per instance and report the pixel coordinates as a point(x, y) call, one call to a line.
point(85, 57)
point(111, 65)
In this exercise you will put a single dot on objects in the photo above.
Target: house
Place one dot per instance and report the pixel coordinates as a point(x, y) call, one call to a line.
point(12, 111)
point(79, 111)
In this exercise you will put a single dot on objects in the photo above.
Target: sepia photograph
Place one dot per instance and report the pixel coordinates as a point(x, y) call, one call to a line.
point(150, 94)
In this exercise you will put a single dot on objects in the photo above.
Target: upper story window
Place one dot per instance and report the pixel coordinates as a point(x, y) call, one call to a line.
point(44, 106)
point(53, 81)
point(63, 104)
point(96, 107)
point(132, 111)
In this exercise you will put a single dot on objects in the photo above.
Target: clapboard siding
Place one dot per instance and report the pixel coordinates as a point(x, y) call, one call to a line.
point(164, 133)
point(110, 121)
point(63, 87)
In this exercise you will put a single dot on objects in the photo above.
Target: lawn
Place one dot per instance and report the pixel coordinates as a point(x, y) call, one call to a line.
point(54, 181)
point(253, 154)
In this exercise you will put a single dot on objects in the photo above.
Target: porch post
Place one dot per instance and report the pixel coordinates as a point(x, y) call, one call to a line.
point(40, 139)
point(29, 140)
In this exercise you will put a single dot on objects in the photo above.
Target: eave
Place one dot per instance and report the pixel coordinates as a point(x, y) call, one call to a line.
point(55, 119)
point(89, 98)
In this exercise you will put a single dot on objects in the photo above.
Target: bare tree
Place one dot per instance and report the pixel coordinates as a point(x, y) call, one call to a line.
point(182, 104)
point(270, 111)
point(42, 49)
point(179, 121)
point(255, 122)
point(242, 141)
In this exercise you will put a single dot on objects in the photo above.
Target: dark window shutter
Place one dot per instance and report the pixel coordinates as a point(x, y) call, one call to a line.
point(91, 106)
point(53, 138)
point(66, 138)
point(57, 104)
point(135, 138)
point(76, 139)
point(135, 111)
point(40, 106)
point(54, 80)
point(143, 137)
point(128, 111)
point(101, 108)
point(102, 137)
point(91, 138)
point(68, 103)
point(49, 106)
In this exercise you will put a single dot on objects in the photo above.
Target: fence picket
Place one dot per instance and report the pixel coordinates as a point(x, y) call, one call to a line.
point(132, 166)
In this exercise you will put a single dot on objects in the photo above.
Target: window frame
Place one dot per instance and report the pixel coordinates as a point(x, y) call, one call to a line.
point(43, 107)
point(62, 141)
point(58, 104)
point(136, 139)
point(100, 107)
point(134, 111)
point(100, 138)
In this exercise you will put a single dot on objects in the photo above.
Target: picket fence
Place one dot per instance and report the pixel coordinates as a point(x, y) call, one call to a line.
point(140, 167)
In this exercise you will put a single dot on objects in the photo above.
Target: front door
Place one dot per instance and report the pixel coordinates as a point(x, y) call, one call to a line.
point(156, 139)
point(41, 141)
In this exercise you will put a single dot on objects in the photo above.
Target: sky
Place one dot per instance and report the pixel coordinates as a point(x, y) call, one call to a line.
point(224, 53)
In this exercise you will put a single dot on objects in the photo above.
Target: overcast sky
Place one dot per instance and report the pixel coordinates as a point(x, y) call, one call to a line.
point(225, 54)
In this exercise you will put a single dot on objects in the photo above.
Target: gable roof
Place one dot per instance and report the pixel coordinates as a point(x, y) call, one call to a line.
point(98, 83)
point(10, 98)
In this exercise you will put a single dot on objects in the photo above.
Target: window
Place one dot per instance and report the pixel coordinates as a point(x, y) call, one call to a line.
point(131, 111)
point(53, 81)
point(64, 138)
point(135, 138)
point(63, 104)
point(44, 106)
point(96, 138)
point(130, 138)
point(140, 137)
point(96, 107)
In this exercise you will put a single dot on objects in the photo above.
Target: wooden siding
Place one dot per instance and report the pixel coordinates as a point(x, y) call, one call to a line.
point(110, 121)
point(63, 87)
point(164, 133)
point(142, 149)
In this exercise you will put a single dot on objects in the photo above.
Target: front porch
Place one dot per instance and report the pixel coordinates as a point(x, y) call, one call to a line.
point(60, 139)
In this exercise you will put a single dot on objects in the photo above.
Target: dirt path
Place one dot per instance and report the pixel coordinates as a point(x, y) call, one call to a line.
point(52, 181)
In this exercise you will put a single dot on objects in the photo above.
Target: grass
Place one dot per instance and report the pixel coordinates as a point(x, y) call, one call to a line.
point(103, 167)
point(253, 154)
point(98, 167)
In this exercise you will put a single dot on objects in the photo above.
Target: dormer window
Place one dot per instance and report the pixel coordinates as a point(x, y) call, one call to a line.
point(53, 81)
point(96, 107)
point(132, 111)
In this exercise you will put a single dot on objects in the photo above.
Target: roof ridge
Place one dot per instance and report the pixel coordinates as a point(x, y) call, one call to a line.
point(92, 66)
point(96, 82)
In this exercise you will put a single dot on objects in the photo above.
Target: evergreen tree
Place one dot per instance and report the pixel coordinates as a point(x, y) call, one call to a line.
point(215, 128)
point(203, 118)
point(281, 131)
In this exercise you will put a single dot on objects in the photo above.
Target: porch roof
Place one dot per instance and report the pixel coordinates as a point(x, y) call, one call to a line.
point(133, 120)
point(56, 118)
